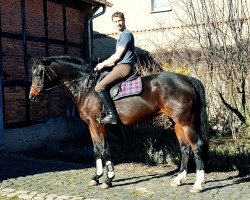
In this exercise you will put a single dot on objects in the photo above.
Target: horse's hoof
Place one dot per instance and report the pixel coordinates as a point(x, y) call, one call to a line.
point(93, 183)
point(175, 183)
point(196, 190)
point(105, 186)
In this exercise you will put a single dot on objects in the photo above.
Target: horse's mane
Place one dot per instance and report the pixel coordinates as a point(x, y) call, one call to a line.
point(75, 62)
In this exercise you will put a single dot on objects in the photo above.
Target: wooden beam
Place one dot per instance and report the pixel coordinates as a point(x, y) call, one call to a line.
point(45, 25)
point(25, 61)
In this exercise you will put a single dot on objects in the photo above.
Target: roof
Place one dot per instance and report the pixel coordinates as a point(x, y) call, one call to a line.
point(100, 2)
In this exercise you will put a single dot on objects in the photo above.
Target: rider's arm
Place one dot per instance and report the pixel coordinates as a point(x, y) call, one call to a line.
point(112, 59)
point(115, 57)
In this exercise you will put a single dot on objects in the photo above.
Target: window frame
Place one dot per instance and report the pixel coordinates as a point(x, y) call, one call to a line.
point(163, 8)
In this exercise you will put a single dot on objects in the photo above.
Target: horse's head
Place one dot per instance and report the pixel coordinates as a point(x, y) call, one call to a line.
point(41, 80)
point(57, 71)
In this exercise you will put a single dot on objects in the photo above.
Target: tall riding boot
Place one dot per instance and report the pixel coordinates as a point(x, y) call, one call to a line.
point(111, 117)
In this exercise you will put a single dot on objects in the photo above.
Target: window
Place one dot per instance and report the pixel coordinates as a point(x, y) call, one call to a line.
point(160, 6)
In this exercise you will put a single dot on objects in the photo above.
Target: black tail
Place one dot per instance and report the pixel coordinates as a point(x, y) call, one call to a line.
point(204, 128)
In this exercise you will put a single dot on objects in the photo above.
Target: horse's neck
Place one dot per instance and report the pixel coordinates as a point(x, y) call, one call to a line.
point(73, 82)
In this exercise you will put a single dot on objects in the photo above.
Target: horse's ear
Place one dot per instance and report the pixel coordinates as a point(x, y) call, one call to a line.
point(35, 61)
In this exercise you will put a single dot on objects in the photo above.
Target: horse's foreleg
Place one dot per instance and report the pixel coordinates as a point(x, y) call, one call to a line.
point(199, 160)
point(102, 155)
point(99, 172)
point(109, 167)
point(97, 133)
point(110, 172)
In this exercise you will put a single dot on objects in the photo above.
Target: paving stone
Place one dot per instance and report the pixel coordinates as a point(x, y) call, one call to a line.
point(25, 196)
point(32, 179)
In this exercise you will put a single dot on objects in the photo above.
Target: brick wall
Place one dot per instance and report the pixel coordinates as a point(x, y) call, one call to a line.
point(13, 64)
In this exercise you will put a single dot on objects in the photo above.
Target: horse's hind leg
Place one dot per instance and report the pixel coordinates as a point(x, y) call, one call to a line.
point(197, 147)
point(185, 151)
point(199, 160)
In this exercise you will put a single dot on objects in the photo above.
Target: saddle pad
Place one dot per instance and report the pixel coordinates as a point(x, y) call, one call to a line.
point(129, 88)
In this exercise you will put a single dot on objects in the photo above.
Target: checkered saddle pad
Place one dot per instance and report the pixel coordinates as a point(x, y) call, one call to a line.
point(126, 88)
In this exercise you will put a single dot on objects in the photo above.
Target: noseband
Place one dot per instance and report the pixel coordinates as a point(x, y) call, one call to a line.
point(41, 85)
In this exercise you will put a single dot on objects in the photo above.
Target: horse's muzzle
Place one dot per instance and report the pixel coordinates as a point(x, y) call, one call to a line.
point(36, 96)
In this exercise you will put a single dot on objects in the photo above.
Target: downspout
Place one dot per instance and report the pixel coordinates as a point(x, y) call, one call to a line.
point(90, 32)
point(1, 87)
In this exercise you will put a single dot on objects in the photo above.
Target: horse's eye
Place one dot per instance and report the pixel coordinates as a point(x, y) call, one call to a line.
point(38, 73)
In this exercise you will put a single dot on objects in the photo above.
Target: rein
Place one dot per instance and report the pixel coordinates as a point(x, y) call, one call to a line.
point(73, 81)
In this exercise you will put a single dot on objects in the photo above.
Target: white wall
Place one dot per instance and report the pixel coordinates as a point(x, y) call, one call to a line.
point(137, 15)
point(139, 20)
point(153, 31)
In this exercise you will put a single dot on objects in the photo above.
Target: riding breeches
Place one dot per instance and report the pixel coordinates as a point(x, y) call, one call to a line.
point(119, 73)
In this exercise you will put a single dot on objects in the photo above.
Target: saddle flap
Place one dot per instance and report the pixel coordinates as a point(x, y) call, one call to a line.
point(126, 88)
point(131, 86)
point(115, 90)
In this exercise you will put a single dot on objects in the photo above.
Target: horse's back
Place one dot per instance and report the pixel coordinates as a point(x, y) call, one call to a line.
point(169, 83)
point(165, 92)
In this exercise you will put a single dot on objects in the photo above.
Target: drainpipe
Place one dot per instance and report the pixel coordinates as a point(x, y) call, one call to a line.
point(1, 87)
point(90, 32)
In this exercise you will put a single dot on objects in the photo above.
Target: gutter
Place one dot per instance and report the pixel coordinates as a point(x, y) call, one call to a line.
point(90, 32)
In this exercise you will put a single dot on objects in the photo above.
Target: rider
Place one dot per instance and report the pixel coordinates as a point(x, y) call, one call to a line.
point(121, 63)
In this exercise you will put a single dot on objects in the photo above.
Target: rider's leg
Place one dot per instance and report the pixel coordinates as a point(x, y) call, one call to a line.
point(110, 117)
point(118, 73)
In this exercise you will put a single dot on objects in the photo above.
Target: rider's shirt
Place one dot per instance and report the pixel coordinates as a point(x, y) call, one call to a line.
point(126, 39)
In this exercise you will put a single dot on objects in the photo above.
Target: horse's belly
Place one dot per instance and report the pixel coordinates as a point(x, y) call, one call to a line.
point(136, 114)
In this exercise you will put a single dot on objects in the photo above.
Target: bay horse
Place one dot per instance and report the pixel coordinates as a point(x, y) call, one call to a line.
point(180, 97)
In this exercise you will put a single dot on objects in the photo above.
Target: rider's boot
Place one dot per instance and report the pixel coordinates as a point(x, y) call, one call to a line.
point(111, 117)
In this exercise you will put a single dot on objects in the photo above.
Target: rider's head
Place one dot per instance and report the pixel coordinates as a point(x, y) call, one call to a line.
point(119, 21)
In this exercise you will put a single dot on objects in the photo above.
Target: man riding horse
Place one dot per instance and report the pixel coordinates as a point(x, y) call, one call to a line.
point(121, 62)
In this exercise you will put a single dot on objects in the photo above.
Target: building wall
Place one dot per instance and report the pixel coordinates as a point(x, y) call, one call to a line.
point(155, 30)
point(145, 25)
point(19, 48)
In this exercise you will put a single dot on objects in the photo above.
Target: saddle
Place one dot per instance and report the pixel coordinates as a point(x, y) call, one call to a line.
point(130, 87)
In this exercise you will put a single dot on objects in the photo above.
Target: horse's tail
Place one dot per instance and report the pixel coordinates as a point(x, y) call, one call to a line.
point(204, 127)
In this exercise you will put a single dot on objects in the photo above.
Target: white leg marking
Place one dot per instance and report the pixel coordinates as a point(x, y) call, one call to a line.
point(99, 167)
point(111, 174)
point(178, 180)
point(200, 178)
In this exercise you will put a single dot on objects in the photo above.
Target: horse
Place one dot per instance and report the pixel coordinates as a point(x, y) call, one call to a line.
point(180, 97)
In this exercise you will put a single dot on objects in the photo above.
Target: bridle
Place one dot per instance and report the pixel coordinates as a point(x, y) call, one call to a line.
point(89, 84)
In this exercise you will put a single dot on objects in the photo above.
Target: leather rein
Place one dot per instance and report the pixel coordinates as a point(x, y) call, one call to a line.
point(71, 82)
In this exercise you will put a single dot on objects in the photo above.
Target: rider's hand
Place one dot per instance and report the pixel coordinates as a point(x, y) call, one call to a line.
point(99, 66)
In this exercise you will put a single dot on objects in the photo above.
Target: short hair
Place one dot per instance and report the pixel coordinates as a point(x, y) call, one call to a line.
point(118, 14)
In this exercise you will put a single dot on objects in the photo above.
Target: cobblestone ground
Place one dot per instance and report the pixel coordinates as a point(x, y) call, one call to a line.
point(31, 179)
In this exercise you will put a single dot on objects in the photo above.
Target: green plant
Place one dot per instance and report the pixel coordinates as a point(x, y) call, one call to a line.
point(228, 154)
